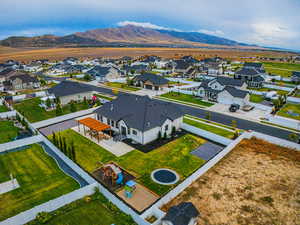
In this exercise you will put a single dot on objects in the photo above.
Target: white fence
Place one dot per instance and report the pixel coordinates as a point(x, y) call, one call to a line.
point(293, 100)
point(8, 114)
point(20, 143)
point(262, 107)
point(208, 135)
point(278, 87)
point(58, 119)
point(26, 216)
point(282, 121)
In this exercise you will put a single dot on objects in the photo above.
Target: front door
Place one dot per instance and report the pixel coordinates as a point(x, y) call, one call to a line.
point(123, 131)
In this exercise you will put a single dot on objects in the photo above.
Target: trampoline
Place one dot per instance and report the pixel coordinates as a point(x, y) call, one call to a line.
point(164, 176)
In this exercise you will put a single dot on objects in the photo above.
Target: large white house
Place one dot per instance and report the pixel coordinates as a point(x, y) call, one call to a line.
point(140, 118)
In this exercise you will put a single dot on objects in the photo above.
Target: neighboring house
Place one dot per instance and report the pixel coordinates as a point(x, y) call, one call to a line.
point(295, 77)
point(71, 60)
point(224, 90)
point(21, 81)
point(105, 73)
point(76, 69)
point(140, 118)
point(135, 69)
point(181, 66)
point(6, 73)
point(150, 81)
point(183, 214)
point(252, 76)
point(68, 91)
point(191, 73)
point(253, 65)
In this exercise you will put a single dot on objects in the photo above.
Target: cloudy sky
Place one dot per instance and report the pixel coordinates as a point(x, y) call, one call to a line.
point(264, 22)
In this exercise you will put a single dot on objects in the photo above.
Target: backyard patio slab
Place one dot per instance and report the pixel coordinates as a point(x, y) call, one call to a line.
point(208, 150)
point(9, 186)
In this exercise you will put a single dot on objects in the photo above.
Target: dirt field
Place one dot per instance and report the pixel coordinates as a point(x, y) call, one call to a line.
point(257, 183)
point(27, 55)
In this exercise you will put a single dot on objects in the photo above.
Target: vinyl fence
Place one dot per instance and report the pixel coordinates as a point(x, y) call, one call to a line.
point(286, 122)
point(20, 143)
point(8, 114)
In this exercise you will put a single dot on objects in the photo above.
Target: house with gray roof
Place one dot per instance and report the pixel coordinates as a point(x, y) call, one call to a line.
point(105, 73)
point(150, 81)
point(224, 90)
point(295, 76)
point(68, 91)
point(252, 73)
point(140, 118)
point(21, 81)
point(184, 213)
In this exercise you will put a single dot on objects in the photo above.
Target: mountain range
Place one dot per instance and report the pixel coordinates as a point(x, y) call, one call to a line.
point(124, 36)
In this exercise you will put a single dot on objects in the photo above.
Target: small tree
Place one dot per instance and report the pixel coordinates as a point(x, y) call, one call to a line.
point(73, 107)
point(234, 123)
point(165, 135)
point(58, 111)
point(159, 135)
point(173, 131)
point(48, 103)
point(294, 137)
point(208, 116)
point(87, 77)
point(54, 138)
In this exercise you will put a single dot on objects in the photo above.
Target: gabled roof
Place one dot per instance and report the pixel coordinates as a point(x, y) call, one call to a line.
point(181, 214)
point(24, 77)
point(139, 112)
point(253, 64)
point(237, 93)
point(230, 81)
point(100, 71)
point(296, 74)
point(6, 72)
point(66, 88)
point(153, 78)
point(182, 65)
point(247, 72)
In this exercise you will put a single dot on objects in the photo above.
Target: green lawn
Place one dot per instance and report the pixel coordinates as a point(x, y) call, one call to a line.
point(7, 131)
point(295, 108)
point(174, 155)
point(283, 69)
point(186, 98)
point(33, 112)
point(297, 94)
point(122, 86)
point(97, 210)
point(3, 108)
point(104, 97)
point(39, 177)
point(210, 128)
point(256, 98)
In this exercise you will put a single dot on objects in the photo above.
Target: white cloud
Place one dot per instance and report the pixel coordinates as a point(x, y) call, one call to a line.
point(212, 32)
point(144, 24)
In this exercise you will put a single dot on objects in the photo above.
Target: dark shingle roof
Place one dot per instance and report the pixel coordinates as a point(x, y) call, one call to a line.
point(230, 81)
point(247, 71)
point(181, 65)
point(236, 92)
point(155, 79)
point(24, 77)
point(253, 64)
point(181, 214)
point(66, 88)
point(296, 74)
point(100, 71)
point(139, 112)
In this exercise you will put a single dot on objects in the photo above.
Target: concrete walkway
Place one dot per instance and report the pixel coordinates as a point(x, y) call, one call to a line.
point(207, 151)
point(9, 186)
point(117, 148)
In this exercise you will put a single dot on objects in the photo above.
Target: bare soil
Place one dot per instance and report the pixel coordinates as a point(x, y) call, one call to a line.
point(257, 183)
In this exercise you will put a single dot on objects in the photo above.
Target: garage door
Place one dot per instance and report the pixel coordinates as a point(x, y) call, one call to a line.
point(156, 88)
point(227, 101)
point(148, 86)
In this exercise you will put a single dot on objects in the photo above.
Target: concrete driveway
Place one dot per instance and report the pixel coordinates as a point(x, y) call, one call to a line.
point(150, 93)
point(253, 115)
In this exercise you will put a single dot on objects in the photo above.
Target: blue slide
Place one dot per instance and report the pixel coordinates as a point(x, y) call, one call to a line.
point(119, 179)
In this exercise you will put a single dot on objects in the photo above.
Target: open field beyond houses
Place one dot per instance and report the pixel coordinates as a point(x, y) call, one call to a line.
point(257, 183)
point(61, 53)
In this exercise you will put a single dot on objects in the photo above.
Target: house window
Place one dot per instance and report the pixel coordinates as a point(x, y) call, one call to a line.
point(108, 121)
point(128, 131)
point(101, 118)
point(112, 123)
point(134, 132)
point(166, 127)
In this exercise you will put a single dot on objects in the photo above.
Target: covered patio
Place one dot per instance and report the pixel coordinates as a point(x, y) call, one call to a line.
point(94, 128)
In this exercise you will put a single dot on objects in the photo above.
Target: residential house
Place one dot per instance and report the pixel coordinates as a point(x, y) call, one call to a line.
point(135, 69)
point(224, 90)
point(295, 77)
point(105, 73)
point(140, 118)
point(68, 91)
point(181, 66)
point(184, 213)
point(21, 81)
point(253, 77)
point(150, 81)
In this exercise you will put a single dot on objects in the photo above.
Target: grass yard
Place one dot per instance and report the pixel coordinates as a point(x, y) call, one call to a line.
point(174, 155)
point(39, 177)
point(8, 131)
point(256, 98)
point(294, 108)
point(280, 92)
point(186, 98)
point(282, 69)
point(207, 127)
point(104, 97)
point(94, 209)
point(122, 86)
point(253, 184)
point(33, 112)
point(3, 108)
point(211, 122)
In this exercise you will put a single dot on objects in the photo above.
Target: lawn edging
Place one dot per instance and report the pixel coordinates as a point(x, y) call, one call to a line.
point(180, 102)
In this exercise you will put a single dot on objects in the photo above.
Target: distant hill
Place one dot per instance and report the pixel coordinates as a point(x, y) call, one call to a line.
point(122, 36)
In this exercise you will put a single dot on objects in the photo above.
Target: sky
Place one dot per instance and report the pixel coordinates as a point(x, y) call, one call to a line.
point(264, 22)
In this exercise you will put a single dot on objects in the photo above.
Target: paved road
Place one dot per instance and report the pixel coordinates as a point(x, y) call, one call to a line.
point(219, 117)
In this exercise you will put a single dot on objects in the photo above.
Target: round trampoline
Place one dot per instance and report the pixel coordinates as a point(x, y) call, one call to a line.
point(164, 176)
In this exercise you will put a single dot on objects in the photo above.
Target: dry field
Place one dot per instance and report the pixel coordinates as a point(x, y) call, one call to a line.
point(27, 55)
point(258, 183)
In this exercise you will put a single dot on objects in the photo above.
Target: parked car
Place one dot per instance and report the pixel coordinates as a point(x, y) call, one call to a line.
point(234, 107)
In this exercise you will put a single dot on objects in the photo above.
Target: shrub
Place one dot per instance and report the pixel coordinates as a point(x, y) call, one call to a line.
point(43, 217)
